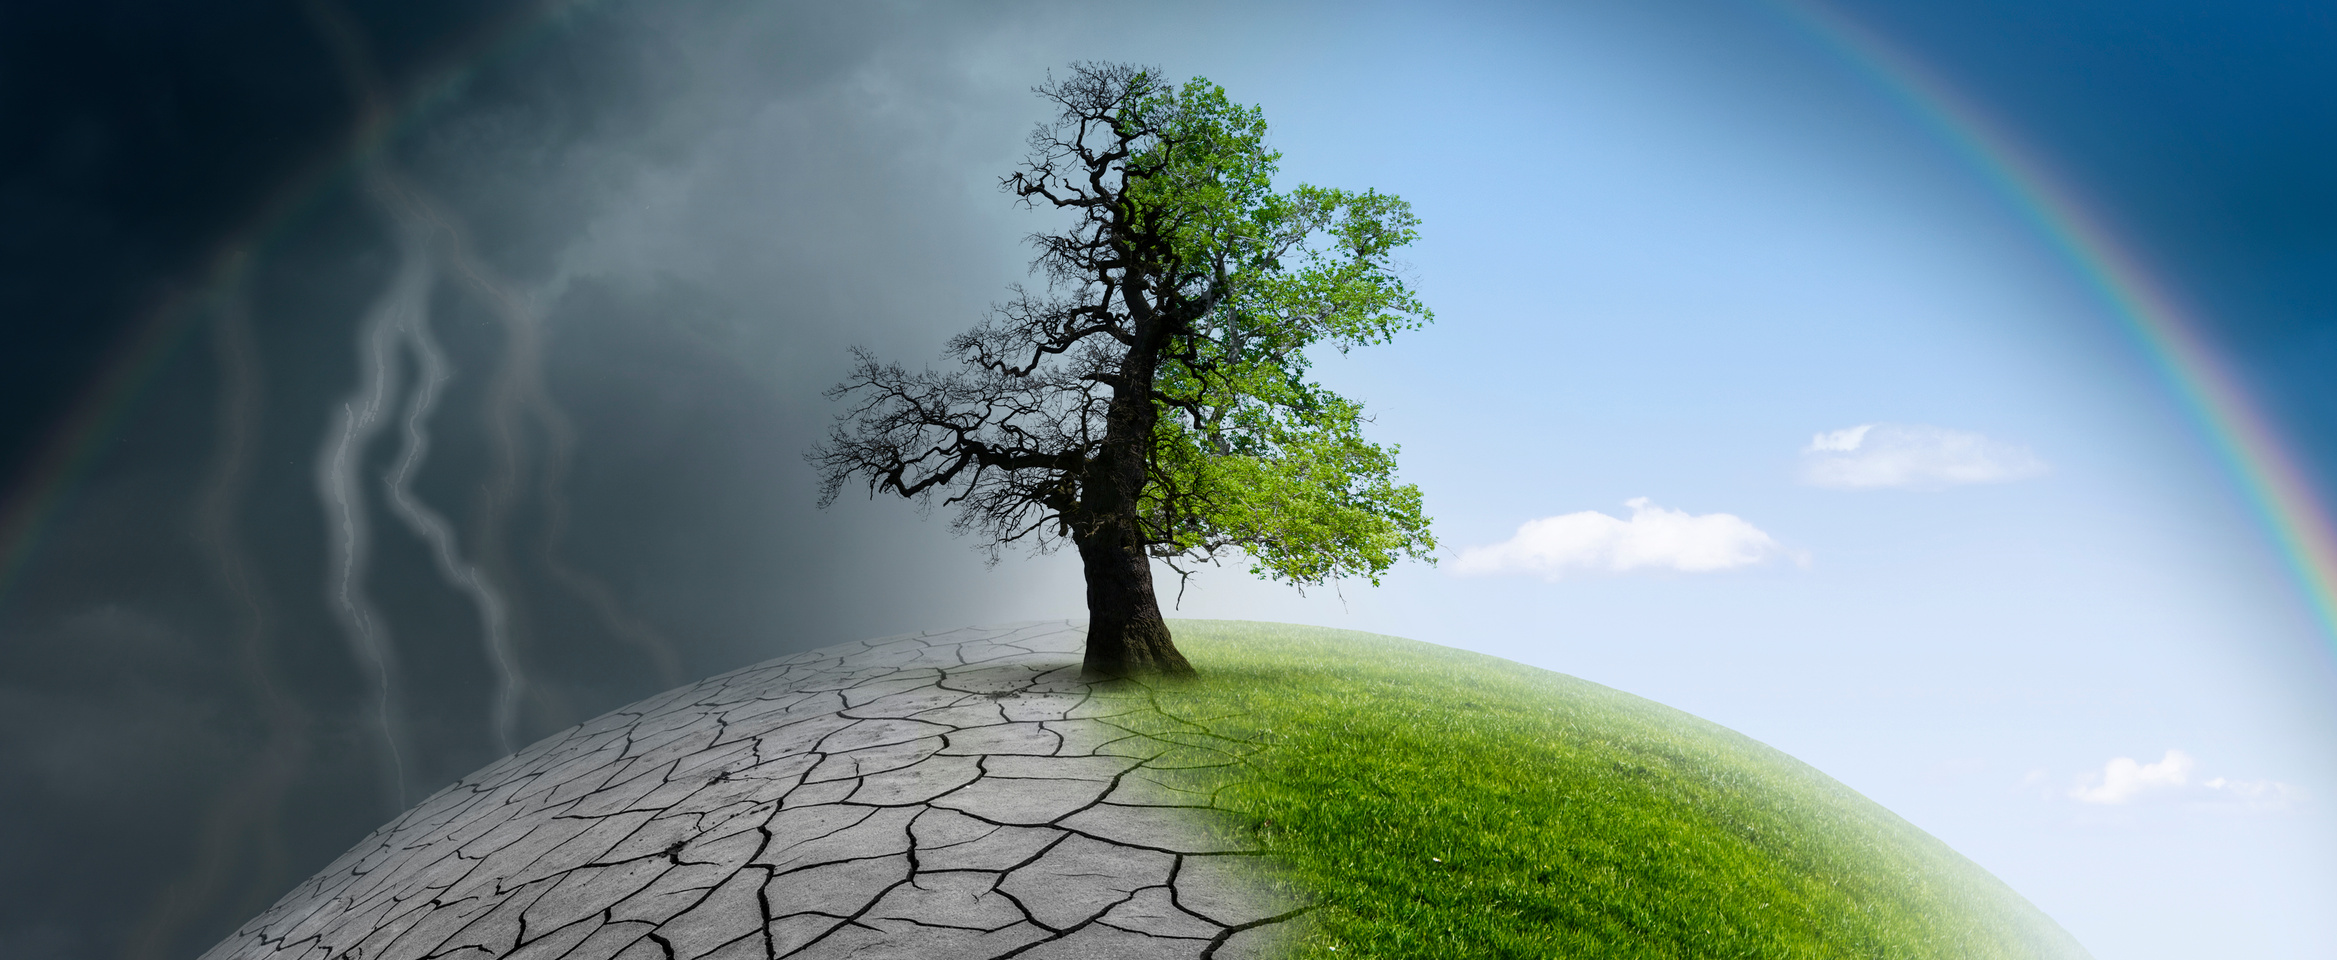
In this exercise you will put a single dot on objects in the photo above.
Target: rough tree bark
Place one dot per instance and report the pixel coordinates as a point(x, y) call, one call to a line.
point(1126, 635)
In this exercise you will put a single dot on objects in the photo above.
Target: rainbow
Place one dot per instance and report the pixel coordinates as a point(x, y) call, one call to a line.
point(2277, 490)
point(78, 440)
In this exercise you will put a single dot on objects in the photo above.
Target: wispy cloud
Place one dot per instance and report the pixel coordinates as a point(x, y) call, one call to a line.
point(1653, 538)
point(2124, 780)
point(1913, 456)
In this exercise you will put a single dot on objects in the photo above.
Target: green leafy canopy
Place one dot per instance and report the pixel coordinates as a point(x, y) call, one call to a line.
point(1248, 452)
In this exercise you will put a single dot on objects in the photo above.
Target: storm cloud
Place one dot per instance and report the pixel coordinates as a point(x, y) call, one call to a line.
point(493, 419)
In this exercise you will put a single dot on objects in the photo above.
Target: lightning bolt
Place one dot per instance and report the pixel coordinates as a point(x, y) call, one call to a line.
point(431, 375)
point(427, 236)
point(363, 415)
point(518, 397)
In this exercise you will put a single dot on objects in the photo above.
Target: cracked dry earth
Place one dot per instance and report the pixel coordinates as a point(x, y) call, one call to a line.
point(960, 795)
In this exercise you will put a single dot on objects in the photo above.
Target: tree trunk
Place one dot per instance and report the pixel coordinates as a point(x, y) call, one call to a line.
point(1126, 636)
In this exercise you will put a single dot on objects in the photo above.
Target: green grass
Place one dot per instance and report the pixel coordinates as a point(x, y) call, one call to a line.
point(1445, 804)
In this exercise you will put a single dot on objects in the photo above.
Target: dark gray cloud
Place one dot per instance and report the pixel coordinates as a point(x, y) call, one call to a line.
point(499, 428)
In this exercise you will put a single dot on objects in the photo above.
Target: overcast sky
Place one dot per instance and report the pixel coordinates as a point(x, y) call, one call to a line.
point(386, 386)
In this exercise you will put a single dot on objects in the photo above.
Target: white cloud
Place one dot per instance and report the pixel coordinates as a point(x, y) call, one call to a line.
point(1877, 455)
point(1653, 539)
point(2123, 780)
point(1839, 441)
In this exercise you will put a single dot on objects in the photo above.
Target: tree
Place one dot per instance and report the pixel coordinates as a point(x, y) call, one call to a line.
point(1152, 402)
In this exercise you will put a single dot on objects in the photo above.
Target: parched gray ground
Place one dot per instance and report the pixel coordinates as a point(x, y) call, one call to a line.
point(960, 795)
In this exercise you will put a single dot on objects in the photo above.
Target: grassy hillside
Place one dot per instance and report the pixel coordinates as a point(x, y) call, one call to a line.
point(1446, 804)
